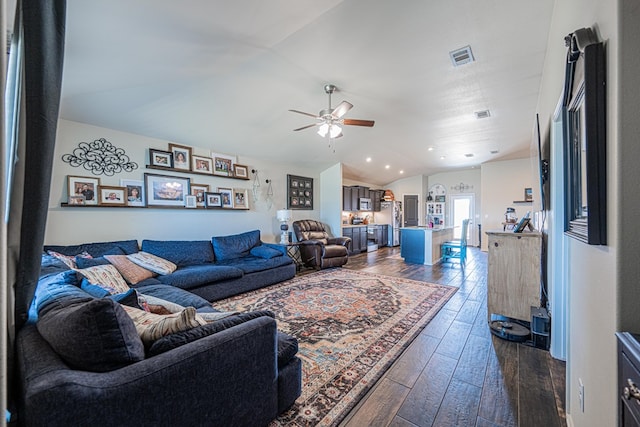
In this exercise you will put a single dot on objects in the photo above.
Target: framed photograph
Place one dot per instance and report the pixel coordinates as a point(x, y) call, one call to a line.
point(76, 200)
point(160, 158)
point(213, 200)
point(83, 186)
point(134, 191)
point(181, 156)
point(202, 164)
point(240, 171)
point(223, 166)
point(164, 190)
point(240, 198)
point(299, 192)
point(528, 195)
point(190, 201)
point(199, 191)
point(111, 196)
point(227, 197)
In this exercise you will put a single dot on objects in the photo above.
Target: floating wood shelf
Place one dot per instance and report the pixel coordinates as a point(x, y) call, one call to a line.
point(67, 205)
point(161, 168)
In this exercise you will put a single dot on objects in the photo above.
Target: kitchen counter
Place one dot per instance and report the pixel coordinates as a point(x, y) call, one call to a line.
point(421, 245)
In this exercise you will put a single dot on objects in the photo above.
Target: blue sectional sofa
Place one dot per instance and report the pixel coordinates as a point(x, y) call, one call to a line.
point(81, 360)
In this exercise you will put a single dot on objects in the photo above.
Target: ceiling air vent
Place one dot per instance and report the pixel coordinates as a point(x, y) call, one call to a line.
point(482, 114)
point(494, 151)
point(468, 155)
point(461, 56)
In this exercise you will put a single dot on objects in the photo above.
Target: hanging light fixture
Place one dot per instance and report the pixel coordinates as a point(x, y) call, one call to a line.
point(331, 129)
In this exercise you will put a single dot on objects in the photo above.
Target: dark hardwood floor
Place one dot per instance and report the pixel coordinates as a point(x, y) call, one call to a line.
point(455, 373)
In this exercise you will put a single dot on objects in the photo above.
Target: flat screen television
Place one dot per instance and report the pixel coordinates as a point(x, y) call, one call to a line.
point(540, 168)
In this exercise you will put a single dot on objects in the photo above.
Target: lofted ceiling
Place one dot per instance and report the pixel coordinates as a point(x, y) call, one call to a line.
point(223, 75)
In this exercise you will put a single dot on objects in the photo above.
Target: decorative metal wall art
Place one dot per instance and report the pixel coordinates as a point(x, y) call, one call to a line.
point(100, 157)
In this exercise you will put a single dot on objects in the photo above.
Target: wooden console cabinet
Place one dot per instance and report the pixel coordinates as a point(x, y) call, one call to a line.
point(513, 274)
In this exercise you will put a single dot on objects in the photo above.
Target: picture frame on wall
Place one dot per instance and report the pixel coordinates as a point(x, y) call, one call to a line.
point(166, 190)
point(109, 195)
point(223, 164)
point(76, 200)
point(240, 198)
point(202, 164)
point(181, 156)
point(299, 192)
point(160, 158)
point(199, 190)
point(213, 200)
point(241, 171)
point(134, 190)
point(227, 197)
point(190, 201)
point(85, 186)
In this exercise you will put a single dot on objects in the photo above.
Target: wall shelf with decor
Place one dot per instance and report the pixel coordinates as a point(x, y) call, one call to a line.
point(522, 201)
point(70, 205)
point(195, 172)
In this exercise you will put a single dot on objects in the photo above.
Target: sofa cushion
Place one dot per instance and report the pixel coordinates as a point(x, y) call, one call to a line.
point(130, 298)
point(176, 295)
point(265, 252)
point(51, 265)
point(197, 275)
point(287, 348)
point(154, 263)
point(56, 287)
point(252, 264)
point(235, 246)
point(82, 262)
point(130, 271)
point(97, 249)
point(92, 335)
point(151, 327)
point(172, 341)
point(107, 277)
point(182, 252)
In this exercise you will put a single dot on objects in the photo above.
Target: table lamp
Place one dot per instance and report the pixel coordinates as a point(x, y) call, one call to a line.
point(284, 216)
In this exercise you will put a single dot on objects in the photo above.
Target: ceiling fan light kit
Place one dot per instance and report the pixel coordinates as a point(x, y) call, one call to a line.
point(330, 120)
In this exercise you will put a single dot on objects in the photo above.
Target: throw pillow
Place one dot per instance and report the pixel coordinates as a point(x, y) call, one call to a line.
point(107, 277)
point(69, 260)
point(235, 246)
point(153, 263)
point(152, 326)
point(90, 262)
point(265, 252)
point(94, 335)
point(178, 339)
point(131, 271)
point(171, 307)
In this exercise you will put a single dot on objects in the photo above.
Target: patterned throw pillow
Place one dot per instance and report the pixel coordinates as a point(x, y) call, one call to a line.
point(152, 326)
point(69, 260)
point(153, 263)
point(107, 277)
point(131, 272)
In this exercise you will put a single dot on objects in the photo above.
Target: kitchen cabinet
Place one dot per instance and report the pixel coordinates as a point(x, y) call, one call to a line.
point(347, 204)
point(358, 237)
point(513, 274)
point(383, 235)
point(376, 197)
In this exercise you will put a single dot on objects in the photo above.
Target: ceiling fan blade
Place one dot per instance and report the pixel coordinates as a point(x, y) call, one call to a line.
point(357, 122)
point(341, 109)
point(308, 126)
point(306, 114)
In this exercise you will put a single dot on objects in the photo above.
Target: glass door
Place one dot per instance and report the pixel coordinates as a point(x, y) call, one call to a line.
point(462, 207)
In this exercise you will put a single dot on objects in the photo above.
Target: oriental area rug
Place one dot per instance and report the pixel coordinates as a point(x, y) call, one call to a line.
point(350, 327)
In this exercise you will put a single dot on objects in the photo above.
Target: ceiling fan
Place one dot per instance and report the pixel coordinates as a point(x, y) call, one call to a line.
point(330, 120)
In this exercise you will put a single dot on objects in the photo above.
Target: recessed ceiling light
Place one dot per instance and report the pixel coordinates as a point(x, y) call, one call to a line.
point(430, 149)
point(401, 172)
point(387, 166)
point(442, 157)
point(368, 159)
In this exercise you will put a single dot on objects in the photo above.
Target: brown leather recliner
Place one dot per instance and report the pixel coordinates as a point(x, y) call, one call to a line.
point(317, 248)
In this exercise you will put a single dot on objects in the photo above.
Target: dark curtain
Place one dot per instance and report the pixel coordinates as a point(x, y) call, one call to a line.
point(44, 30)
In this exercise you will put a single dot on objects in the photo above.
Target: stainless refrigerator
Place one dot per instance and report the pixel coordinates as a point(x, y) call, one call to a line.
point(391, 213)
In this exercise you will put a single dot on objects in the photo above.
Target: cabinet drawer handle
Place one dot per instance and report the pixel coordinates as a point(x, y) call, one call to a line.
point(631, 391)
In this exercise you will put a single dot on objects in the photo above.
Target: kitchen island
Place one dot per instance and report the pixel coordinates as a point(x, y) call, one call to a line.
point(421, 245)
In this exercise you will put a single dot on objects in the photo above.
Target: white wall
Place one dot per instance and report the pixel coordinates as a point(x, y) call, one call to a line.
point(77, 225)
point(331, 198)
point(594, 272)
point(501, 184)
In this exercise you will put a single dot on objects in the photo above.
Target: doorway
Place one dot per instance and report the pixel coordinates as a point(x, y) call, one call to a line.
point(410, 210)
point(463, 207)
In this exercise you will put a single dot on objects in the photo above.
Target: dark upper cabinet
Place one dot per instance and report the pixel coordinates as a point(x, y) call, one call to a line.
point(347, 203)
point(376, 197)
